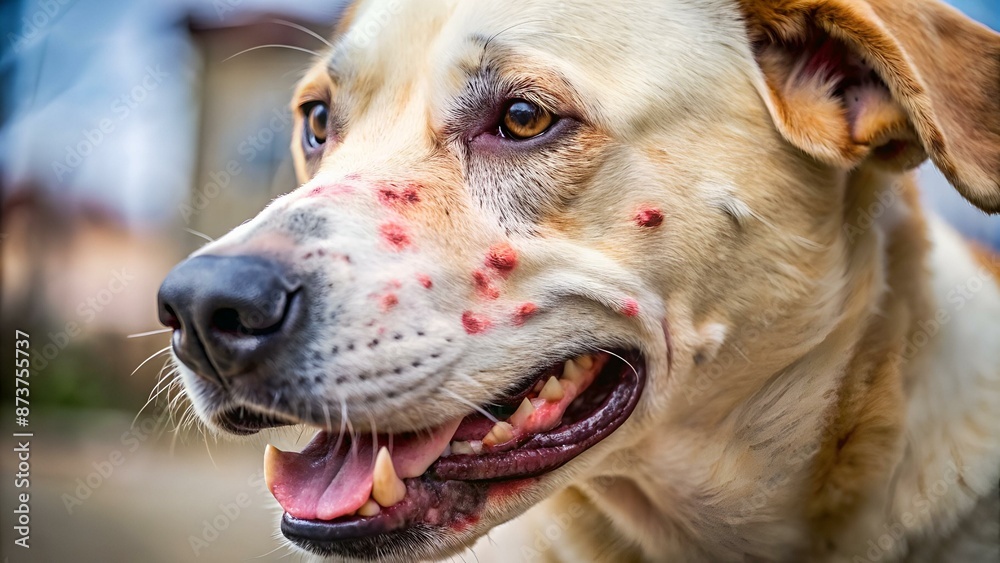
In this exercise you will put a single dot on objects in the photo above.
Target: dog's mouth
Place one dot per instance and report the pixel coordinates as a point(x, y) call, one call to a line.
point(379, 494)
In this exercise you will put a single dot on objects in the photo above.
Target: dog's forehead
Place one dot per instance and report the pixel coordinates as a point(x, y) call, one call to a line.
point(640, 58)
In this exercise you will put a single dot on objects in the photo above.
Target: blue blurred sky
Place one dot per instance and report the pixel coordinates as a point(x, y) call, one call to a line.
point(986, 11)
point(101, 101)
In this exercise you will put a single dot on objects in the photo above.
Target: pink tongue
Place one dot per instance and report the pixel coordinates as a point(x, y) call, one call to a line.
point(324, 482)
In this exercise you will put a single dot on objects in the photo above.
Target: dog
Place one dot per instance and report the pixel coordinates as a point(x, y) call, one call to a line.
point(648, 280)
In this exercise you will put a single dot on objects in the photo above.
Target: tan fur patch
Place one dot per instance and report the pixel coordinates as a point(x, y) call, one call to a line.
point(987, 258)
point(953, 105)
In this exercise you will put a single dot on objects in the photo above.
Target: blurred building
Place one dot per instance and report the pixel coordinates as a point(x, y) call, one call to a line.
point(129, 127)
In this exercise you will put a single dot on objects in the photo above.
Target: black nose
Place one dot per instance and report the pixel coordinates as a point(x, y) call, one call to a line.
point(228, 312)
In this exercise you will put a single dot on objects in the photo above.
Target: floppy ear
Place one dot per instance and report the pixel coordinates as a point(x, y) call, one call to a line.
point(889, 81)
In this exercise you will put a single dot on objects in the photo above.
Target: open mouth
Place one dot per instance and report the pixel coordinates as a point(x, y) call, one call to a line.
point(359, 498)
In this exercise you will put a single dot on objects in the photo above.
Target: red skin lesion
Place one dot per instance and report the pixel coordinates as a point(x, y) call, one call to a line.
point(331, 191)
point(484, 287)
point(395, 235)
point(425, 280)
point(524, 312)
point(502, 258)
point(389, 300)
point(630, 307)
point(394, 195)
point(475, 324)
point(649, 217)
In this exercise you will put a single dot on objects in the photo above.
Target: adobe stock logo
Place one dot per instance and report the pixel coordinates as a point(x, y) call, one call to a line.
point(33, 26)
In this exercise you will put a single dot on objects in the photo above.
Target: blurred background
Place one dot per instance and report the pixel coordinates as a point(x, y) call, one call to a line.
point(129, 132)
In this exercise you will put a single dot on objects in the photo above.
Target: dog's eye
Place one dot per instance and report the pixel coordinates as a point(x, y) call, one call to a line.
point(524, 120)
point(314, 132)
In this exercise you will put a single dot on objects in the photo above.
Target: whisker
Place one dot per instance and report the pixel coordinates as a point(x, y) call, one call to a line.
point(465, 401)
point(151, 399)
point(173, 441)
point(275, 400)
point(170, 411)
point(326, 416)
point(199, 234)
point(635, 371)
point(160, 378)
point(343, 422)
point(268, 553)
point(293, 47)
point(150, 333)
point(302, 29)
point(173, 401)
point(155, 354)
point(371, 420)
point(209, 450)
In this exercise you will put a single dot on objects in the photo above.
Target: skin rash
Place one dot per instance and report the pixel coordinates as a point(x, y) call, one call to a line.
point(695, 199)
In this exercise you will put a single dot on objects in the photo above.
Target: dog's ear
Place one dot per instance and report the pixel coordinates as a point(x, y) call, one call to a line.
point(891, 81)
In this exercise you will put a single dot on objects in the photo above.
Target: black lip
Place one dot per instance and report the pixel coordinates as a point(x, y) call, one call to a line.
point(364, 548)
point(244, 421)
point(405, 526)
point(400, 529)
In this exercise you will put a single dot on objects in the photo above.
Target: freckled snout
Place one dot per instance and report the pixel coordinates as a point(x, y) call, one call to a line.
point(229, 312)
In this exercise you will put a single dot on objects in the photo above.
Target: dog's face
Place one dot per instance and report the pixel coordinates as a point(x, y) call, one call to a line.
point(526, 230)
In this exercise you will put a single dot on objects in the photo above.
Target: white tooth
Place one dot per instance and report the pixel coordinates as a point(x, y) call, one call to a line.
point(477, 446)
point(387, 488)
point(500, 433)
point(522, 413)
point(369, 508)
point(586, 361)
point(462, 448)
point(552, 391)
point(271, 455)
point(447, 451)
point(572, 371)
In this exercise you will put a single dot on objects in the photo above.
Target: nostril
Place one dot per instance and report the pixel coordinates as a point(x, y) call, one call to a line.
point(249, 321)
point(170, 318)
point(227, 321)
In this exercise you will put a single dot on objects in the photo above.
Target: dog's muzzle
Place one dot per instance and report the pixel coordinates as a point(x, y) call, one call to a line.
point(229, 312)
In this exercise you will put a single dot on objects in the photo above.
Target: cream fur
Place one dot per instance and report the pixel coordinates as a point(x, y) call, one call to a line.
point(793, 423)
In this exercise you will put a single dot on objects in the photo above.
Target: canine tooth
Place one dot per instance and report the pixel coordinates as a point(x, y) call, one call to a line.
point(387, 488)
point(586, 361)
point(369, 508)
point(552, 391)
point(271, 455)
point(500, 433)
point(522, 413)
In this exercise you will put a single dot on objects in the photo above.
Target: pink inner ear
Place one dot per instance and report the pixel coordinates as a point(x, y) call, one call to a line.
point(829, 61)
point(830, 102)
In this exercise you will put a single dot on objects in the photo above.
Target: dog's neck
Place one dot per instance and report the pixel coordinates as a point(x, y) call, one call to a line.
point(822, 483)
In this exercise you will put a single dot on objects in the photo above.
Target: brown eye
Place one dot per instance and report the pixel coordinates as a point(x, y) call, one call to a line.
point(524, 120)
point(314, 132)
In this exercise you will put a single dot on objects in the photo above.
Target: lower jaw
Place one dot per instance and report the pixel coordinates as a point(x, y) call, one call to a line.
point(450, 497)
point(455, 506)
